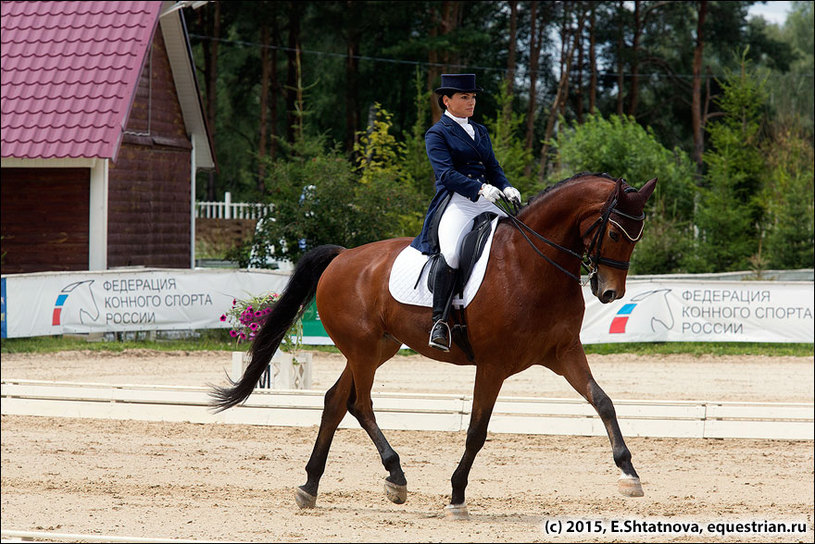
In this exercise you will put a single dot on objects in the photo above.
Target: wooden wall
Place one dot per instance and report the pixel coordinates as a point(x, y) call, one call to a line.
point(45, 219)
point(149, 192)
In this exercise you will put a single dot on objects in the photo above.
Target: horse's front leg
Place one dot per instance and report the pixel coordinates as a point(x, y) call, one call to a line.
point(579, 376)
point(629, 482)
point(487, 387)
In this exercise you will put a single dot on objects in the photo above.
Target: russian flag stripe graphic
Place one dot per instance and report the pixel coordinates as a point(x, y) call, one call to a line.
point(618, 325)
point(55, 319)
point(621, 319)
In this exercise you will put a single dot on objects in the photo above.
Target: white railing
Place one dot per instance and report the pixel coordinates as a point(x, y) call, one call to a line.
point(231, 210)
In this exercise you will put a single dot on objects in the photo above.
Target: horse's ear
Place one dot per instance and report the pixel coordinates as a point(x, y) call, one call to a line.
point(646, 190)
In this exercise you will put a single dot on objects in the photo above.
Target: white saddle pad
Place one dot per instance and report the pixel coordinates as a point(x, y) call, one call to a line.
point(410, 262)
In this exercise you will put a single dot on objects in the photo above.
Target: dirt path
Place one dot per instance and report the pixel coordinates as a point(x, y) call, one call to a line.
point(235, 483)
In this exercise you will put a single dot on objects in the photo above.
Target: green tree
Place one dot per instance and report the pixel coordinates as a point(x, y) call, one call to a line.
point(320, 197)
point(621, 147)
point(415, 160)
point(506, 134)
point(730, 210)
point(788, 195)
point(381, 165)
point(790, 93)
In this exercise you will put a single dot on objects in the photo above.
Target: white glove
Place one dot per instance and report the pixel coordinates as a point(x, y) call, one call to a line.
point(490, 192)
point(513, 194)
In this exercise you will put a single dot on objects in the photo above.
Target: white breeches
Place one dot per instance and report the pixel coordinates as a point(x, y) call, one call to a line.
point(457, 221)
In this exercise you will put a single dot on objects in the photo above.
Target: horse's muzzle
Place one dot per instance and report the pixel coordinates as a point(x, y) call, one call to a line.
point(604, 294)
point(607, 296)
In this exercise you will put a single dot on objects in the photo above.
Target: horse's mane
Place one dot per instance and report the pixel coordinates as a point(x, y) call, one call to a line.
point(563, 182)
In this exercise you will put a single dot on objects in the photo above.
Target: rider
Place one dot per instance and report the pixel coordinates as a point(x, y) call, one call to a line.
point(468, 180)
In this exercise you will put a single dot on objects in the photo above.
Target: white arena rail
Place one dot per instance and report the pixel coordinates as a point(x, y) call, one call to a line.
point(404, 411)
point(32, 536)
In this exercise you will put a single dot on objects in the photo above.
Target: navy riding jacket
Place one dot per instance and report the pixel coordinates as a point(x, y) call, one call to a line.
point(461, 165)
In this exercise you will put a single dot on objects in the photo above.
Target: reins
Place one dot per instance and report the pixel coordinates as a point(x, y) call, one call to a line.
point(511, 210)
point(591, 257)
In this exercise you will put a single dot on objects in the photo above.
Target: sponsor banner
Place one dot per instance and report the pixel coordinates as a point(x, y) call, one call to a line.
point(702, 311)
point(45, 304)
point(652, 310)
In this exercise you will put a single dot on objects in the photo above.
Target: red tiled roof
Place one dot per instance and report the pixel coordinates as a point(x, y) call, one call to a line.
point(69, 74)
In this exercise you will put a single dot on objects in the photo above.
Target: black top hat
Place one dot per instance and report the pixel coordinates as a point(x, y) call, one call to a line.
point(458, 83)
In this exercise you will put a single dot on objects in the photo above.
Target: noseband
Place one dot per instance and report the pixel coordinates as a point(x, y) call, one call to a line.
point(591, 257)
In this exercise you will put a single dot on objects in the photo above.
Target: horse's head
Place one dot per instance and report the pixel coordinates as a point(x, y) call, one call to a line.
point(610, 238)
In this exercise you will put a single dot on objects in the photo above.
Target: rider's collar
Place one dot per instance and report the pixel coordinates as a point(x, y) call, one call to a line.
point(460, 120)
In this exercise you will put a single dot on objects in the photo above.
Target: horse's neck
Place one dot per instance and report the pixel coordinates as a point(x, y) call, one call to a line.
point(556, 216)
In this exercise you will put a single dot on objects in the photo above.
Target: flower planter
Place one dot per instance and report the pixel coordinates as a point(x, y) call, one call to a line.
point(283, 372)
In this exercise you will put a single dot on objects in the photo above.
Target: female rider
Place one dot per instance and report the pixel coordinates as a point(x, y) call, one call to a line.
point(468, 180)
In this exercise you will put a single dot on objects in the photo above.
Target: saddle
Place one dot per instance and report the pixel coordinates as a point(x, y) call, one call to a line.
point(472, 246)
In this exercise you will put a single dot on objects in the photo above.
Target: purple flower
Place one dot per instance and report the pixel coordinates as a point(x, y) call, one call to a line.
point(223, 317)
point(233, 334)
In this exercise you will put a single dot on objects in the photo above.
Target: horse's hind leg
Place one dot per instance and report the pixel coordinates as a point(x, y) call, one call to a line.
point(361, 407)
point(579, 376)
point(334, 410)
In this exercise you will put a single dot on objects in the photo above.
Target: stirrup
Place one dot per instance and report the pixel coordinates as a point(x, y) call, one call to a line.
point(437, 345)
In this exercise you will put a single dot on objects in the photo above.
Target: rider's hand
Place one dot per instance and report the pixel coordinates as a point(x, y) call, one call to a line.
point(490, 192)
point(513, 194)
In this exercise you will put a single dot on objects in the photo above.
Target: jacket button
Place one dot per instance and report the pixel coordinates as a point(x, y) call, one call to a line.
point(469, 175)
point(481, 163)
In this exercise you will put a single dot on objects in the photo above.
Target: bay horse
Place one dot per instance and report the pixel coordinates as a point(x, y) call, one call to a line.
point(528, 311)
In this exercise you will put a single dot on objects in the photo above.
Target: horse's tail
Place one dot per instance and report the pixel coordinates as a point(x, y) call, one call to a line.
point(294, 300)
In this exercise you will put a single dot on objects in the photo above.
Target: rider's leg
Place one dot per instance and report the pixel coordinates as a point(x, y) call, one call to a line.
point(455, 222)
point(444, 282)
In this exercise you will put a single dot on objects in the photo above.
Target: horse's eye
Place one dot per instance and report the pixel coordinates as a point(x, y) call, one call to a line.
point(613, 235)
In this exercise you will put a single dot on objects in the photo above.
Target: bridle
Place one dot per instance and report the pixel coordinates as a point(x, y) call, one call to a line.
point(591, 258)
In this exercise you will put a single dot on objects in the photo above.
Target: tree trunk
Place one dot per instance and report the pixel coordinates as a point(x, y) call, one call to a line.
point(534, 53)
point(291, 76)
point(275, 84)
point(635, 67)
point(696, 104)
point(513, 36)
point(560, 96)
point(620, 62)
point(581, 20)
point(265, 71)
point(592, 60)
point(352, 40)
point(449, 21)
point(211, 81)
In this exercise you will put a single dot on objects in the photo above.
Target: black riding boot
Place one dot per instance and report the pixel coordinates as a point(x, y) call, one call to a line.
point(444, 281)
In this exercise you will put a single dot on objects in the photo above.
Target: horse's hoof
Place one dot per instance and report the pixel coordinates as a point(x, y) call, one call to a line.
point(304, 500)
point(396, 493)
point(456, 512)
point(630, 486)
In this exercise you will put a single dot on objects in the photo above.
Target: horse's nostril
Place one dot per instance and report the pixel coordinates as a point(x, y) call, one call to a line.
point(609, 295)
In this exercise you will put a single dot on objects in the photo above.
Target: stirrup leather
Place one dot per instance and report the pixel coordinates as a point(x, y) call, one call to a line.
point(433, 342)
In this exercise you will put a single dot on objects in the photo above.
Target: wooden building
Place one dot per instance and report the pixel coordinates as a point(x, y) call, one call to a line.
point(102, 134)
